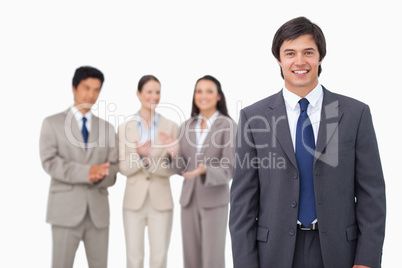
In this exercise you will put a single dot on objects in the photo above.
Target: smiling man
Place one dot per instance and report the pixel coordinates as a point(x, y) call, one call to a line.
point(79, 151)
point(325, 207)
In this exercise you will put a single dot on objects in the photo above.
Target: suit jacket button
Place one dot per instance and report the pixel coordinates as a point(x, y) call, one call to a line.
point(293, 204)
point(147, 178)
point(292, 231)
point(295, 176)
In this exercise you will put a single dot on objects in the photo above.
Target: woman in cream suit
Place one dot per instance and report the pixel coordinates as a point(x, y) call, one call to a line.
point(205, 158)
point(147, 198)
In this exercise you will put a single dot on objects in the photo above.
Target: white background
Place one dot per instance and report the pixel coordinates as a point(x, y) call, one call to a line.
point(43, 42)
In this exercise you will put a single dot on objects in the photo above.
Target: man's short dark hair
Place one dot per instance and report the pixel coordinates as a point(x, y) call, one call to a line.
point(85, 72)
point(295, 28)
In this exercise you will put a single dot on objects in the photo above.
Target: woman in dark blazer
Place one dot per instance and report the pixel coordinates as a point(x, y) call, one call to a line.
point(205, 157)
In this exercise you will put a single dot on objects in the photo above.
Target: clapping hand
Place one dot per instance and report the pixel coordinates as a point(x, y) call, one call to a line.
point(201, 169)
point(98, 172)
point(144, 149)
point(171, 145)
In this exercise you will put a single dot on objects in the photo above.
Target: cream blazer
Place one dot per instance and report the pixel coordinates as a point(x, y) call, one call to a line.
point(143, 181)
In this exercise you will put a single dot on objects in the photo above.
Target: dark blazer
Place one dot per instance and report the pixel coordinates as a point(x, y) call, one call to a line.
point(218, 157)
point(348, 183)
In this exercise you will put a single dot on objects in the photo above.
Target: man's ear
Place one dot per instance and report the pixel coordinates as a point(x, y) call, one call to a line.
point(319, 63)
point(74, 91)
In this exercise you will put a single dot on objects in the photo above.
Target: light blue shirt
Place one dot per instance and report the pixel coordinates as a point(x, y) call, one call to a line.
point(147, 132)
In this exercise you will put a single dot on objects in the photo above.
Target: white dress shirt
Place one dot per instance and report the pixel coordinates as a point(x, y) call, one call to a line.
point(201, 134)
point(78, 116)
point(315, 98)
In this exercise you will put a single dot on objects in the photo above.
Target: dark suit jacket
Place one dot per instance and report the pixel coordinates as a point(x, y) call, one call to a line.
point(348, 183)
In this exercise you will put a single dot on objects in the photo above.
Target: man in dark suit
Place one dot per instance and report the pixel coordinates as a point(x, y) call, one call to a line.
point(308, 189)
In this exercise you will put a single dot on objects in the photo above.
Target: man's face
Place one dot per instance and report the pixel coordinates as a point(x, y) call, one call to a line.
point(299, 61)
point(86, 94)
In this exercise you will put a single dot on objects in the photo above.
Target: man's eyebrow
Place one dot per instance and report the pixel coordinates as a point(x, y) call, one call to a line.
point(291, 49)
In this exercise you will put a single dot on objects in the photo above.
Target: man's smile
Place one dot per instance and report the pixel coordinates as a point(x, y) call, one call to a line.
point(300, 71)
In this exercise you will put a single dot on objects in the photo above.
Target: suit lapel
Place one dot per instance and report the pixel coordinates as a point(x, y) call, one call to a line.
point(93, 138)
point(131, 131)
point(157, 148)
point(190, 146)
point(73, 132)
point(216, 126)
point(278, 121)
point(331, 114)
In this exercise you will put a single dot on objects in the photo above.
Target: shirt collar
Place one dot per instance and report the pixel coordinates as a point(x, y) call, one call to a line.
point(210, 120)
point(78, 115)
point(293, 99)
point(155, 121)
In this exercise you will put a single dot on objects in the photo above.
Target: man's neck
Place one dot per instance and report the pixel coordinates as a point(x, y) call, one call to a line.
point(81, 110)
point(302, 92)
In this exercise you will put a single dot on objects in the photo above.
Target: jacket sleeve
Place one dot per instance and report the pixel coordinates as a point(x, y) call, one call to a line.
point(244, 200)
point(112, 158)
point(129, 159)
point(179, 163)
point(57, 167)
point(162, 166)
point(220, 170)
point(370, 195)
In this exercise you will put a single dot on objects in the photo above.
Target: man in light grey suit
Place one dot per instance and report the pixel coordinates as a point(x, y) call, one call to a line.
point(308, 189)
point(79, 151)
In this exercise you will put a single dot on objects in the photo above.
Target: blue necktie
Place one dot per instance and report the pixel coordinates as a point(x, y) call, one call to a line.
point(305, 146)
point(84, 131)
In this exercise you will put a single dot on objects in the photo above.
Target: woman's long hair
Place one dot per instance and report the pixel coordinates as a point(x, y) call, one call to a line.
point(220, 106)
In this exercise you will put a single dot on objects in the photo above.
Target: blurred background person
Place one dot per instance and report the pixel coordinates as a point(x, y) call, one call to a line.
point(204, 156)
point(79, 151)
point(148, 197)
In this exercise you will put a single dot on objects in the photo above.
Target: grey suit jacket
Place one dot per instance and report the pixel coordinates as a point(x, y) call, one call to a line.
point(217, 155)
point(66, 160)
point(141, 181)
point(348, 183)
